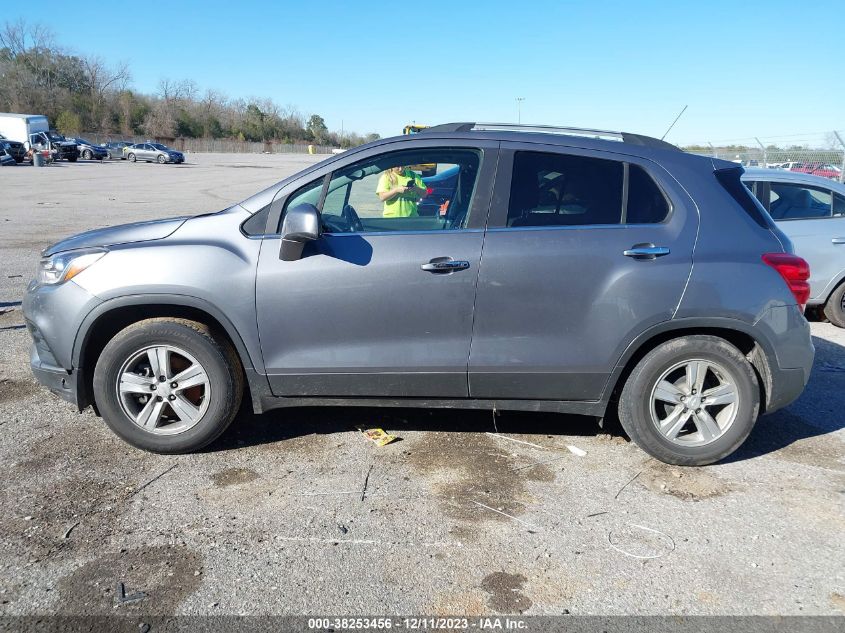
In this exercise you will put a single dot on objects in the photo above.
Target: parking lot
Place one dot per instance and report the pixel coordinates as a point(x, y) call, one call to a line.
point(295, 512)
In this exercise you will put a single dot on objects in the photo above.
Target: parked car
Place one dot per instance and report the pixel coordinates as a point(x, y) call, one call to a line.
point(817, 169)
point(6, 159)
point(13, 148)
point(151, 152)
point(810, 210)
point(440, 190)
point(316, 291)
point(88, 150)
point(116, 149)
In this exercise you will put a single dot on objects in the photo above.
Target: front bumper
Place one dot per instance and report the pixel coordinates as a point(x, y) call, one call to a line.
point(53, 317)
point(61, 382)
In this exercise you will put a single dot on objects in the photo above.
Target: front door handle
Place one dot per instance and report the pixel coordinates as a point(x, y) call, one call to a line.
point(444, 265)
point(838, 240)
point(646, 251)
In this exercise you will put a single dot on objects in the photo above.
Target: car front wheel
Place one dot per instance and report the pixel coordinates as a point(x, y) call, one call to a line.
point(690, 401)
point(161, 159)
point(168, 385)
point(132, 158)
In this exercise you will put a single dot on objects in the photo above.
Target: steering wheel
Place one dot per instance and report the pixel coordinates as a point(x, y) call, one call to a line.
point(350, 216)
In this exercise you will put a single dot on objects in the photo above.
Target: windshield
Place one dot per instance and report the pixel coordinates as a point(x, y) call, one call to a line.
point(159, 146)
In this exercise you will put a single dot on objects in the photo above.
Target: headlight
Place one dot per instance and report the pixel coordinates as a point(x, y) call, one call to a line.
point(61, 267)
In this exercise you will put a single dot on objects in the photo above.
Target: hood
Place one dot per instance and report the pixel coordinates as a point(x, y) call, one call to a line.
point(123, 234)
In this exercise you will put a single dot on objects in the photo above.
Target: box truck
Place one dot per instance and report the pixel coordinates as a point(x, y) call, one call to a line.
point(34, 131)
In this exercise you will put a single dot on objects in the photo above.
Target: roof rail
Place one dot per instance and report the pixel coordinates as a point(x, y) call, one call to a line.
point(624, 137)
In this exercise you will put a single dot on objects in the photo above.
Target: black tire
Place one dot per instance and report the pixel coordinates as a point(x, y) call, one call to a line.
point(834, 309)
point(87, 155)
point(635, 407)
point(132, 158)
point(73, 159)
point(161, 159)
point(216, 357)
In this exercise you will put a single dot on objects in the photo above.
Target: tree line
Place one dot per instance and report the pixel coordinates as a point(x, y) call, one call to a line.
point(83, 93)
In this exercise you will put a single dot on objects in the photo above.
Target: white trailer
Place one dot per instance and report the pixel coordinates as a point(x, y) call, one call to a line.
point(34, 130)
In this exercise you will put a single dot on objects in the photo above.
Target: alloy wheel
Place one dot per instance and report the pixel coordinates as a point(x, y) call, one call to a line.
point(694, 402)
point(163, 389)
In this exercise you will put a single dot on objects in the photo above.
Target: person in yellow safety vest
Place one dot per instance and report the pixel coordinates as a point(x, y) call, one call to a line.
point(400, 189)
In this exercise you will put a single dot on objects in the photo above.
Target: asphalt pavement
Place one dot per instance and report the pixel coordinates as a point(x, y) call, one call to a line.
point(295, 512)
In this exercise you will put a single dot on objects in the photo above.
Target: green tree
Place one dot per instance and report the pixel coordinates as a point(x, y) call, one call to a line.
point(316, 128)
point(69, 123)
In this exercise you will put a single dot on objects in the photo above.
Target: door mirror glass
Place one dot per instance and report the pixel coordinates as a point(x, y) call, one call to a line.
point(301, 225)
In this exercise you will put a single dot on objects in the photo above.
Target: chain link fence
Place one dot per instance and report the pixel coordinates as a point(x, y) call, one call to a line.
point(828, 162)
point(216, 145)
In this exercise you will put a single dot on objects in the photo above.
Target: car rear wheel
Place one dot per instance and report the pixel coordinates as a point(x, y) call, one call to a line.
point(834, 309)
point(132, 158)
point(161, 159)
point(167, 385)
point(690, 401)
point(87, 155)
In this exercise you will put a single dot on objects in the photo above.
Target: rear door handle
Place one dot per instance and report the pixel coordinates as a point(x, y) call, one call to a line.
point(838, 240)
point(646, 251)
point(444, 265)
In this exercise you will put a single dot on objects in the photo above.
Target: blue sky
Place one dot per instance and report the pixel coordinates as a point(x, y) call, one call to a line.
point(745, 68)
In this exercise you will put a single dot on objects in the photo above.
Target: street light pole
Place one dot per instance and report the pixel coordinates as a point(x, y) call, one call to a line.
point(519, 101)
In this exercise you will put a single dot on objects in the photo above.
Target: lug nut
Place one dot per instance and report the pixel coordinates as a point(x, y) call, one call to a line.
point(171, 397)
point(159, 398)
point(162, 379)
point(173, 385)
point(152, 387)
point(683, 398)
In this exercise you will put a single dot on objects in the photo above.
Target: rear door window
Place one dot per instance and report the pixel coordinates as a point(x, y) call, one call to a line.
point(562, 190)
point(646, 204)
point(565, 190)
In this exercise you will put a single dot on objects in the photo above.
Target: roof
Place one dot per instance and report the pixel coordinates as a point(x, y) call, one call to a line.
point(520, 129)
point(784, 175)
point(15, 115)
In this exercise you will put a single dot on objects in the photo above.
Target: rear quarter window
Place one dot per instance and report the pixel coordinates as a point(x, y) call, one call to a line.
point(731, 181)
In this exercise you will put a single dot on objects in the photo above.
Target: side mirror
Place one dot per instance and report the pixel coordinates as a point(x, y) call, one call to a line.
point(301, 225)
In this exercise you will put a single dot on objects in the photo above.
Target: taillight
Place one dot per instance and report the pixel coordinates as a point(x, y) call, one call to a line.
point(795, 272)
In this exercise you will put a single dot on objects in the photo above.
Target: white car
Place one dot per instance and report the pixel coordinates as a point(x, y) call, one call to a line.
point(810, 210)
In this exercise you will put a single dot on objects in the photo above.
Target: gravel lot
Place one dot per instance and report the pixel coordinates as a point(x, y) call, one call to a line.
point(271, 519)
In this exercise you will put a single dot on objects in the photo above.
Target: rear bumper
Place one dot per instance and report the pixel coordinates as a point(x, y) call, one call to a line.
point(787, 385)
point(790, 366)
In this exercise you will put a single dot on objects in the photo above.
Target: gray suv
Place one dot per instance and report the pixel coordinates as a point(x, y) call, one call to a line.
point(565, 270)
